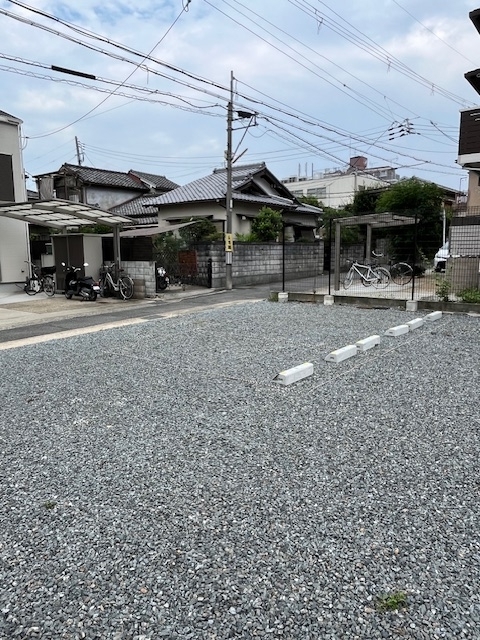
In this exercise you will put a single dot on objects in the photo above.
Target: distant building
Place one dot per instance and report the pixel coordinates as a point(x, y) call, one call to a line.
point(337, 187)
point(117, 191)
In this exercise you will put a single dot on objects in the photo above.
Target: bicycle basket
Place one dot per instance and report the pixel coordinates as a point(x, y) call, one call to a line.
point(48, 271)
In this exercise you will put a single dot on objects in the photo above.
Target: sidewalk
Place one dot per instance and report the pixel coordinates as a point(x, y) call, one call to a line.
point(17, 308)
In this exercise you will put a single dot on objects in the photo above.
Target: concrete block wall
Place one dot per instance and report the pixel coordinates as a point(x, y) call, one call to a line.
point(142, 271)
point(255, 263)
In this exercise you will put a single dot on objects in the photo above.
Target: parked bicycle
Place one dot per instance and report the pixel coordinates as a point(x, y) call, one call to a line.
point(41, 279)
point(369, 274)
point(121, 285)
point(400, 272)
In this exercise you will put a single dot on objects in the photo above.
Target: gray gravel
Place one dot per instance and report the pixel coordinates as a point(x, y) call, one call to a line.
point(156, 482)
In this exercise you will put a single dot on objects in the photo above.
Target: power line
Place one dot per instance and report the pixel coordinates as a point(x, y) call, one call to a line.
point(132, 97)
point(121, 84)
point(376, 107)
point(432, 32)
point(311, 121)
point(373, 49)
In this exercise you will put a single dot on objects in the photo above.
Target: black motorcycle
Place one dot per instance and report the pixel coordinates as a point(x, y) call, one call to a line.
point(163, 279)
point(77, 285)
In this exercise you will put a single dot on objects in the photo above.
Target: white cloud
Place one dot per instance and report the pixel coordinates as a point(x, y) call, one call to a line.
point(208, 44)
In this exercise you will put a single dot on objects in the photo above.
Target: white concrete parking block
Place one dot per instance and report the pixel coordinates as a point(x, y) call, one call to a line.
point(342, 354)
point(435, 315)
point(367, 343)
point(296, 373)
point(415, 324)
point(399, 330)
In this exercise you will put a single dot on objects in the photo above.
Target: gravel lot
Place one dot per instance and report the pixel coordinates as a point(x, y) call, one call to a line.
point(156, 482)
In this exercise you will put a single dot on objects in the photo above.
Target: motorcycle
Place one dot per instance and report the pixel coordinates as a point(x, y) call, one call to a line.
point(83, 286)
point(162, 279)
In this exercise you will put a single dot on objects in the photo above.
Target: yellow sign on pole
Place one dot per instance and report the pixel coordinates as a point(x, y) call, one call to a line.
point(229, 242)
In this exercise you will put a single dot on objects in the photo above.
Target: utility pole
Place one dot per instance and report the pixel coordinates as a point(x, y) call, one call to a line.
point(231, 157)
point(229, 203)
point(79, 156)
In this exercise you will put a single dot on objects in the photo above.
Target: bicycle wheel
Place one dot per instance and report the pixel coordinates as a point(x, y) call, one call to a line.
point(126, 287)
point(382, 278)
point(401, 273)
point(348, 279)
point(49, 285)
point(103, 288)
point(32, 286)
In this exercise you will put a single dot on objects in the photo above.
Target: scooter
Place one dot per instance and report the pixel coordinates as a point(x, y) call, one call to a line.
point(83, 286)
point(162, 279)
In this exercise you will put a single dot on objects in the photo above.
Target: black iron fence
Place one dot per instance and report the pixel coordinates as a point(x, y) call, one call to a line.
point(394, 256)
point(183, 267)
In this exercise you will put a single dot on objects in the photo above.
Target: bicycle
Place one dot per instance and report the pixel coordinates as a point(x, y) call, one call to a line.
point(400, 272)
point(39, 281)
point(379, 277)
point(123, 285)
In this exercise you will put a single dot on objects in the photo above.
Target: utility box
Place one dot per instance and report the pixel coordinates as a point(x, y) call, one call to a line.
point(75, 249)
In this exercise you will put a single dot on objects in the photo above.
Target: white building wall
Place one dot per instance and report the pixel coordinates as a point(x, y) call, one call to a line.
point(106, 198)
point(14, 241)
point(335, 191)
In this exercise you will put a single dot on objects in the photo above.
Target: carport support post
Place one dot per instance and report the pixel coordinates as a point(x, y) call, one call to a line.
point(368, 244)
point(116, 248)
point(337, 254)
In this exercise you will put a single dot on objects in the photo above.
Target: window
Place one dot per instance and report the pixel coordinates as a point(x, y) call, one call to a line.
point(317, 191)
point(7, 191)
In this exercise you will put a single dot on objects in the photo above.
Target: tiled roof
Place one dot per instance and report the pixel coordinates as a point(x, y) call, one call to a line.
point(270, 200)
point(160, 183)
point(137, 210)
point(211, 187)
point(248, 185)
point(103, 177)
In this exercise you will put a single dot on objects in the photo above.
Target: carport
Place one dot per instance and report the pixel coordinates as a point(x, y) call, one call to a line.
point(372, 221)
point(66, 215)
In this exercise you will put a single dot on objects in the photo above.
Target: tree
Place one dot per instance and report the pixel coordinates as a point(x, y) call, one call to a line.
point(204, 230)
point(424, 200)
point(312, 200)
point(267, 225)
point(365, 201)
point(349, 235)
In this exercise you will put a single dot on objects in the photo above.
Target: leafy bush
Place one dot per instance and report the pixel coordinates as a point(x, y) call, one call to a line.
point(470, 295)
point(204, 230)
point(443, 288)
point(245, 237)
point(267, 225)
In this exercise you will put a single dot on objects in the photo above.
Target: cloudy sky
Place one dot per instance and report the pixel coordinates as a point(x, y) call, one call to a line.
point(327, 80)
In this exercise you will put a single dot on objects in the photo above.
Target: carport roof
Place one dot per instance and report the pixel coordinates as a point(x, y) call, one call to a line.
point(386, 219)
point(60, 214)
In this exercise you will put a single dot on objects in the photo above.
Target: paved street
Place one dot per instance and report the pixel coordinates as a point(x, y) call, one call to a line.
point(23, 317)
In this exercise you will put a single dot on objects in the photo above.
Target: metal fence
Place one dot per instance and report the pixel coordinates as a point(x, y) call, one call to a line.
point(393, 256)
point(183, 267)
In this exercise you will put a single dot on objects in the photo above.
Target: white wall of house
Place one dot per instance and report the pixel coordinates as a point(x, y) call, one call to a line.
point(335, 190)
point(14, 242)
point(106, 198)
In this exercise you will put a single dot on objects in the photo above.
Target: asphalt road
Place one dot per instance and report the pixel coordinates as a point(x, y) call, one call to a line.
point(132, 311)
